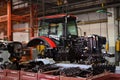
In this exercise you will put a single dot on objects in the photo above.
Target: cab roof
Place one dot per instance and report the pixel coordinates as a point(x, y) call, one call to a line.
point(57, 16)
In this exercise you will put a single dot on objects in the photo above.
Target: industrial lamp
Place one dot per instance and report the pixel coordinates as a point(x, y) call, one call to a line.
point(104, 11)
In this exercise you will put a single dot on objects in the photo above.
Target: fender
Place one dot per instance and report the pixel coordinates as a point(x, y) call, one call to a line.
point(36, 41)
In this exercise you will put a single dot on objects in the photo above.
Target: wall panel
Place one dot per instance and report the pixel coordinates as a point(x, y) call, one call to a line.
point(97, 28)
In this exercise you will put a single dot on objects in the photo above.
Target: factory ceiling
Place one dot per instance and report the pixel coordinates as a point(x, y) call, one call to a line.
point(47, 7)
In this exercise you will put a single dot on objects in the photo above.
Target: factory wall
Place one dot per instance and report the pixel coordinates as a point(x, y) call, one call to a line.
point(99, 28)
point(21, 36)
point(91, 16)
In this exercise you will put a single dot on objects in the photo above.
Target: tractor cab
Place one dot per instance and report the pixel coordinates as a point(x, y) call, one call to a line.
point(58, 27)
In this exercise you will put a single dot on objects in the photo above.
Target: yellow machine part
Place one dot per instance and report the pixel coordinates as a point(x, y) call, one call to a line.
point(59, 2)
point(117, 45)
point(107, 46)
point(41, 49)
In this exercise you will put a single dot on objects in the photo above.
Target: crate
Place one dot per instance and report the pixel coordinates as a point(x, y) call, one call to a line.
point(107, 76)
point(72, 78)
point(28, 75)
point(2, 74)
point(47, 77)
point(12, 75)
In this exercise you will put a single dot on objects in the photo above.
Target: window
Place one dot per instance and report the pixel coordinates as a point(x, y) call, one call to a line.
point(43, 29)
point(72, 28)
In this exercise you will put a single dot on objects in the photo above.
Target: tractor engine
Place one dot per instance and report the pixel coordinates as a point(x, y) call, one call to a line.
point(87, 49)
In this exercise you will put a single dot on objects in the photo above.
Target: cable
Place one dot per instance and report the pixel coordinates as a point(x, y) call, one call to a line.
point(100, 23)
point(89, 24)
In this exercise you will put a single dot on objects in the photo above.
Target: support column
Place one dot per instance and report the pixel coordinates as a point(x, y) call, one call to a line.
point(9, 22)
point(31, 21)
point(112, 30)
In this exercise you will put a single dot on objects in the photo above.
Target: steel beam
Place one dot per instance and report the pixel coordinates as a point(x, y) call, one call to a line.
point(9, 22)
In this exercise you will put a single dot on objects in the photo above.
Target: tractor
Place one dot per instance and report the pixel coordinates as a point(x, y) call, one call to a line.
point(58, 39)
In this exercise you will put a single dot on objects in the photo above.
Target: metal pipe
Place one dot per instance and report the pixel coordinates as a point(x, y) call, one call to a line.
point(9, 22)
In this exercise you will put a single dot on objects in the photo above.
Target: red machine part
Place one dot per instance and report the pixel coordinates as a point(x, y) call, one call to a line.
point(106, 76)
point(12, 75)
point(22, 75)
point(28, 76)
point(36, 41)
point(47, 77)
point(56, 16)
point(72, 78)
point(2, 74)
point(49, 41)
